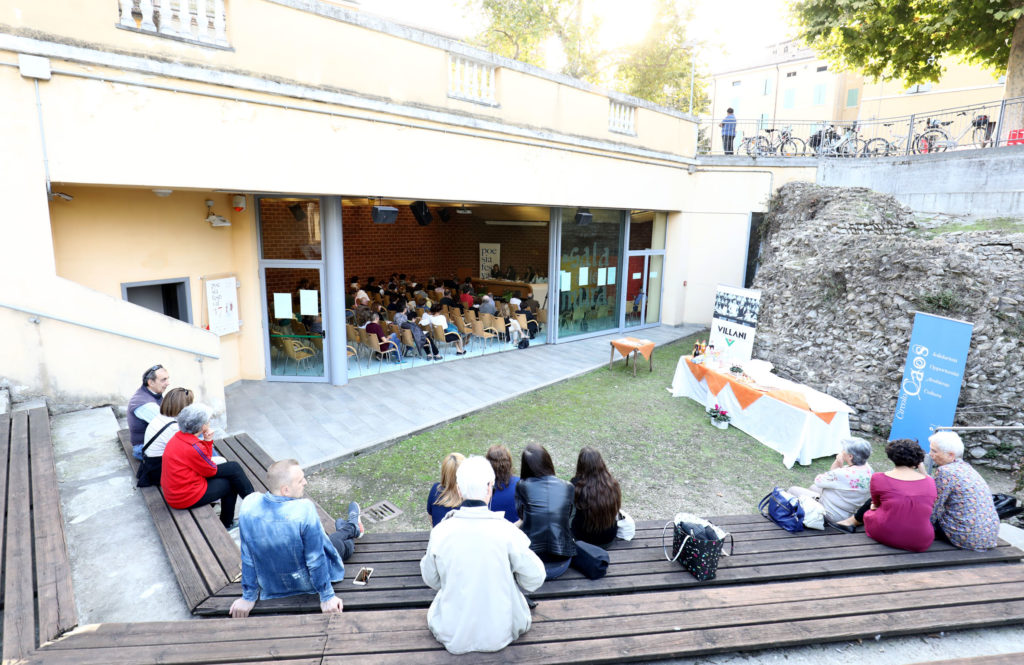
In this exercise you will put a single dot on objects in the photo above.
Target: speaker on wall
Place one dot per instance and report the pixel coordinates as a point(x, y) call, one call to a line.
point(421, 212)
point(445, 214)
point(384, 214)
point(583, 217)
point(297, 212)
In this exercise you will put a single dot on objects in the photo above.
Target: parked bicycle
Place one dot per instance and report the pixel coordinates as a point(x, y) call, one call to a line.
point(774, 142)
point(827, 142)
point(895, 145)
point(937, 139)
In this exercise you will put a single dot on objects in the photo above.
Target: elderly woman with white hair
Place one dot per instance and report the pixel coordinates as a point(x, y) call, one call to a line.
point(842, 489)
point(964, 513)
point(189, 475)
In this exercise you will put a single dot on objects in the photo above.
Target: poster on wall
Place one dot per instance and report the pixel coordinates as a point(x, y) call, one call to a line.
point(931, 378)
point(222, 305)
point(734, 322)
point(490, 256)
point(309, 304)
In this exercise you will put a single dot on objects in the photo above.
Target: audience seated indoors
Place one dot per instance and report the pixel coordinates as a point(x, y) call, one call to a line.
point(466, 297)
point(478, 562)
point(846, 485)
point(545, 504)
point(190, 477)
point(451, 334)
point(387, 342)
point(898, 514)
point(531, 319)
point(487, 304)
point(144, 405)
point(598, 499)
point(160, 431)
point(448, 300)
point(444, 496)
point(964, 514)
point(285, 550)
point(504, 498)
point(516, 300)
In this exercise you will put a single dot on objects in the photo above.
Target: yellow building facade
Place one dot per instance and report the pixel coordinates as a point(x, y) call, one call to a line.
point(151, 148)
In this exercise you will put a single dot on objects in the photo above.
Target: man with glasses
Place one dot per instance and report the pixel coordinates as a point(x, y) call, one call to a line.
point(144, 405)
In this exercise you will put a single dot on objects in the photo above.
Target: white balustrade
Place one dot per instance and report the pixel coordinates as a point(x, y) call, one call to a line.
point(471, 80)
point(622, 118)
point(202, 21)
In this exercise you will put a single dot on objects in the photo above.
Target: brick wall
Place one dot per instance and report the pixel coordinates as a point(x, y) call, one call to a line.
point(440, 249)
point(283, 236)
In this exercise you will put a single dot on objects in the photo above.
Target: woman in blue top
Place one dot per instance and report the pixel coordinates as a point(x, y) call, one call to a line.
point(444, 496)
point(504, 498)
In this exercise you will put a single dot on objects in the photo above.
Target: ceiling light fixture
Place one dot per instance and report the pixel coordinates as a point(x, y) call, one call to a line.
point(163, 193)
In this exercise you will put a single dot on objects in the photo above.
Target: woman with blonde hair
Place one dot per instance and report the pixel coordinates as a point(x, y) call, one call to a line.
point(444, 496)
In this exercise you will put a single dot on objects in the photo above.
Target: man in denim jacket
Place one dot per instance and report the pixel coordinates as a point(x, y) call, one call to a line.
point(285, 550)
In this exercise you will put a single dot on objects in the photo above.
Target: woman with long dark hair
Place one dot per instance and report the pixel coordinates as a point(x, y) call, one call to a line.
point(598, 499)
point(544, 503)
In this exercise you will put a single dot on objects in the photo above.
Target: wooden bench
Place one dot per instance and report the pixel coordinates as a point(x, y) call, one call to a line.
point(682, 623)
point(763, 552)
point(203, 556)
point(37, 598)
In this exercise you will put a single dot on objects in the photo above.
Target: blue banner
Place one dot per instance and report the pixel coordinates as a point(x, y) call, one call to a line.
point(932, 377)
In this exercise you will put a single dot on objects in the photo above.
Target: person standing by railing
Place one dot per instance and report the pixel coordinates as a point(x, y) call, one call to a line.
point(728, 126)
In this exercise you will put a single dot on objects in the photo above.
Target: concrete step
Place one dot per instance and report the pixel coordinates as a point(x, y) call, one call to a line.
point(118, 565)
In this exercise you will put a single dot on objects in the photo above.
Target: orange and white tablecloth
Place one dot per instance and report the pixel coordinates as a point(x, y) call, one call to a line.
point(797, 421)
point(626, 345)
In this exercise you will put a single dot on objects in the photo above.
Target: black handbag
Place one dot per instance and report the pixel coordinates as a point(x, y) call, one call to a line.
point(697, 544)
point(148, 473)
point(590, 560)
point(1006, 506)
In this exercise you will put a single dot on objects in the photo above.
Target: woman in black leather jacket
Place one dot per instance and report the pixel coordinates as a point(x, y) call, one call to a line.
point(545, 506)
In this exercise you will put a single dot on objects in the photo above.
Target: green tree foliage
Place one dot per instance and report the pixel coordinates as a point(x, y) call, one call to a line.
point(656, 69)
point(659, 68)
point(905, 39)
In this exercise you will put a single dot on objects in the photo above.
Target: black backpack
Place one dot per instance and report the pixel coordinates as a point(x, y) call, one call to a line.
point(524, 343)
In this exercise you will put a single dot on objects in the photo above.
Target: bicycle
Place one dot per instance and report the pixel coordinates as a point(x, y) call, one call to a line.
point(882, 147)
point(937, 139)
point(786, 145)
point(827, 142)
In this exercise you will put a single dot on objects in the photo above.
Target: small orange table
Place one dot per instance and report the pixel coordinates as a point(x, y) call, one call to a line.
point(627, 346)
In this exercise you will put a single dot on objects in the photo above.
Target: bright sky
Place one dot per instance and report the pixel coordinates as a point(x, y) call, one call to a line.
point(732, 36)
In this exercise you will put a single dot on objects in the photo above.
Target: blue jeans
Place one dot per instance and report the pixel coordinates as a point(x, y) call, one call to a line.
point(343, 539)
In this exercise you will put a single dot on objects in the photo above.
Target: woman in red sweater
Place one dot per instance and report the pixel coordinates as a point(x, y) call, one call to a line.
point(190, 477)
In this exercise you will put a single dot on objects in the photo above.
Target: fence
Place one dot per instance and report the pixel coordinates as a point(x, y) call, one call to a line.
point(968, 127)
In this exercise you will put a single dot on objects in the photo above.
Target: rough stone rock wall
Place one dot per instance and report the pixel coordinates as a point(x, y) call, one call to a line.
point(842, 271)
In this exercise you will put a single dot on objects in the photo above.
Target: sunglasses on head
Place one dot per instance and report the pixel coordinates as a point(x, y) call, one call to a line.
point(151, 372)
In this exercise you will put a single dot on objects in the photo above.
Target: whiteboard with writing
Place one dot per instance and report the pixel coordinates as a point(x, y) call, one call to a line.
point(490, 256)
point(222, 305)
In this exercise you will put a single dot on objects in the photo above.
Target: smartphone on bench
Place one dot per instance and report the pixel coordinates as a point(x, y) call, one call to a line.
point(363, 576)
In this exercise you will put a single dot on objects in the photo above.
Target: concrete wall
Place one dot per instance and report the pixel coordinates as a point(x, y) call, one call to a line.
point(968, 182)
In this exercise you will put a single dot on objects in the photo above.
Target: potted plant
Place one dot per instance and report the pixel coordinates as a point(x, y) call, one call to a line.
point(719, 417)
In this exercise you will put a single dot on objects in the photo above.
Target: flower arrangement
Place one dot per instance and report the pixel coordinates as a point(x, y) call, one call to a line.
point(719, 414)
point(736, 369)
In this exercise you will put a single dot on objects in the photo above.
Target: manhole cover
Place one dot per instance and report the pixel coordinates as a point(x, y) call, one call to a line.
point(381, 511)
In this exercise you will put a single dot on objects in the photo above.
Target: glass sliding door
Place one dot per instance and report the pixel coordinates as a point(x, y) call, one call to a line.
point(589, 271)
point(645, 262)
point(291, 277)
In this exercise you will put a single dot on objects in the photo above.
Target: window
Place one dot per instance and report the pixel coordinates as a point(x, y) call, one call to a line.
point(621, 118)
point(823, 68)
point(471, 81)
point(851, 96)
point(170, 297)
point(1002, 80)
point(789, 99)
point(790, 75)
point(736, 83)
point(818, 97)
point(918, 88)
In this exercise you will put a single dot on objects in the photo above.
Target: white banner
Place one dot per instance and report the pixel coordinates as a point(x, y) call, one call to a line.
point(734, 322)
point(490, 256)
point(222, 305)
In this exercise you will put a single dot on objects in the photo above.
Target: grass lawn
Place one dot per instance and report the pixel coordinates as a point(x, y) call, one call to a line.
point(662, 449)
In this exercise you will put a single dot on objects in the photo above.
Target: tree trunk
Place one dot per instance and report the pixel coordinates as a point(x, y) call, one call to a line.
point(1013, 116)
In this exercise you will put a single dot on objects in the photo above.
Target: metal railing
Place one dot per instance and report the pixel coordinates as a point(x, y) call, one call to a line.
point(977, 126)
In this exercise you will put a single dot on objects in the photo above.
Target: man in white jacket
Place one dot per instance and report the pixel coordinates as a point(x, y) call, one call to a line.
point(474, 559)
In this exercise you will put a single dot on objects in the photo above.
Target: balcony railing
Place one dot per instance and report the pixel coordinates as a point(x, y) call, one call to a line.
point(199, 21)
point(471, 80)
point(622, 118)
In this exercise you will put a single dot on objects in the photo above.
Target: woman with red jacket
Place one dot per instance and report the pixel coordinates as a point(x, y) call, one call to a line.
point(190, 477)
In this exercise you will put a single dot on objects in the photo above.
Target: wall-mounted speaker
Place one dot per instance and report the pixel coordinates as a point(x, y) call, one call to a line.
point(384, 214)
point(583, 217)
point(445, 214)
point(421, 212)
point(297, 212)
